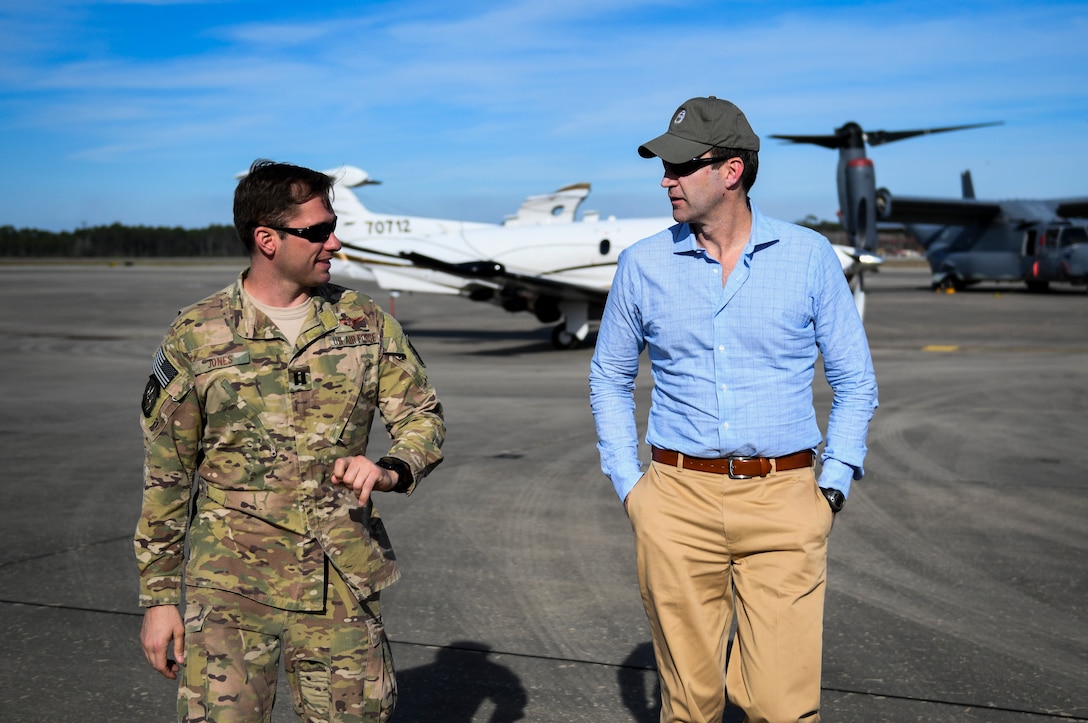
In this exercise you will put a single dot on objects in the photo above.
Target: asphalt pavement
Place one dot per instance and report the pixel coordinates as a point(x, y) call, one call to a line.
point(958, 570)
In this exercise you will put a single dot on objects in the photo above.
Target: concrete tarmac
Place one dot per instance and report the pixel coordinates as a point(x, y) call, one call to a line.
point(958, 570)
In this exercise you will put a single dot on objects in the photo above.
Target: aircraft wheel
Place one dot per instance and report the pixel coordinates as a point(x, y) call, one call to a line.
point(1038, 287)
point(950, 284)
point(563, 339)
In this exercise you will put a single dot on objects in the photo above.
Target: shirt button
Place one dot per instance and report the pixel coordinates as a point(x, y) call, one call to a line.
point(721, 347)
point(725, 425)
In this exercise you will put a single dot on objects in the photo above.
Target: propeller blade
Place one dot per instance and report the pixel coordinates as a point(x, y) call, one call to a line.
point(848, 136)
point(825, 140)
point(876, 138)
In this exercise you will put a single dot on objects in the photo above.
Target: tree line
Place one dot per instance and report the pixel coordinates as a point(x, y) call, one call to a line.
point(118, 241)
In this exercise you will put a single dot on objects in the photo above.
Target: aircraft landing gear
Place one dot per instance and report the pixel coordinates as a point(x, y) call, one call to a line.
point(563, 339)
point(576, 317)
point(950, 284)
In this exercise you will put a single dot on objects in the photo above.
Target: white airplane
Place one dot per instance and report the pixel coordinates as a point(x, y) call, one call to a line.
point(540, 260)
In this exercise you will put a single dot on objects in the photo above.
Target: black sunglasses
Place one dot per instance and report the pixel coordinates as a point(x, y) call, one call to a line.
point(318, 233)
point(689, 167)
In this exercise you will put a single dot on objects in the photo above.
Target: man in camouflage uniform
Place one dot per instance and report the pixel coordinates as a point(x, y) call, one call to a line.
point(262, 395)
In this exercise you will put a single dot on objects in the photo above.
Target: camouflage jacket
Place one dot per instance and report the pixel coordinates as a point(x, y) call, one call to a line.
point(257, 425)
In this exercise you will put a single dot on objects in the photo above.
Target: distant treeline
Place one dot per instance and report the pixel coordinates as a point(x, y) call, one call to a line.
point(890, 241)
point(117, 241)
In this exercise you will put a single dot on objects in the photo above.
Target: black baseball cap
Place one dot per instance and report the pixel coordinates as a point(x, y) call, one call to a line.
point(699, 125)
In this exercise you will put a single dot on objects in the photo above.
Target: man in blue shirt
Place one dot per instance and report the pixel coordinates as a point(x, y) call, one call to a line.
point(730, 521)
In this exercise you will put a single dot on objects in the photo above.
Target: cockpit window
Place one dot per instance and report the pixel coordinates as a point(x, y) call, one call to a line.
point(1073, 236)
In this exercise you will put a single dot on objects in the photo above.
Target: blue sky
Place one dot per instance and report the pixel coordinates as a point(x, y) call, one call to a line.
point(142, 112)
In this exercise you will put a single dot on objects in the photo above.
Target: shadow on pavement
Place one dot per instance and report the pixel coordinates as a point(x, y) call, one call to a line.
point(457, 684)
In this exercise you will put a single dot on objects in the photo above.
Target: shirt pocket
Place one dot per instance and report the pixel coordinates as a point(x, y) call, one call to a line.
point(344, 392)
point(234, 405)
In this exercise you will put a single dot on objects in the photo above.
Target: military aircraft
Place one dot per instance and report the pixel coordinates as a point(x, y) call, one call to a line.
point(969, 240)
point(966, 240)
point(542, 259)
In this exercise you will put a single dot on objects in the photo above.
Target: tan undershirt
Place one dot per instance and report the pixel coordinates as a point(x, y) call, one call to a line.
point(289, 319)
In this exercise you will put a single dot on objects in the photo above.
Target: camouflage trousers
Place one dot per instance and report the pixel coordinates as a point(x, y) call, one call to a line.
point(338, 662)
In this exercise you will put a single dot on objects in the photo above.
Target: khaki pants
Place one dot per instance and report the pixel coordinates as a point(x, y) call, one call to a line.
point(338, 662)
point(709, 546)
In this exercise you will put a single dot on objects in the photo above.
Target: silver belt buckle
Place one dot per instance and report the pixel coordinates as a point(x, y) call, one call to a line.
point(732, 475)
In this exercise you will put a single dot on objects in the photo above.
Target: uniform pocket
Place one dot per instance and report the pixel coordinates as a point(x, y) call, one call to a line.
point(192, 691)
point(381, 681)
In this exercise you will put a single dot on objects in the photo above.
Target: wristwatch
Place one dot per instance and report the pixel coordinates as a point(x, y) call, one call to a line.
point(835, 498)
point(404, 472)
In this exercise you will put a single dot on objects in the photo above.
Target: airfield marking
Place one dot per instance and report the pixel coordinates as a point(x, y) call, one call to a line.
point(953, 348)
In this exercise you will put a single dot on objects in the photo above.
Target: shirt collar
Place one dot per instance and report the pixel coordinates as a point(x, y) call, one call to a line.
point(684, 241)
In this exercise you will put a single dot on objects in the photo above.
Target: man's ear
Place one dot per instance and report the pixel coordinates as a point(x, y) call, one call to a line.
point(266, 240)
point(734, 169)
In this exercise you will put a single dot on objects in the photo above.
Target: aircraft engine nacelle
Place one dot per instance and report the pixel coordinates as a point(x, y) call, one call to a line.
point(860, 217)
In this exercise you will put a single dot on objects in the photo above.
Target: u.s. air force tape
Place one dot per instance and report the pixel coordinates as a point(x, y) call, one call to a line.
point(162, 371)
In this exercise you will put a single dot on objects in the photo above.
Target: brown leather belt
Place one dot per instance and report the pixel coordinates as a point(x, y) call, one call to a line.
point(736, 467)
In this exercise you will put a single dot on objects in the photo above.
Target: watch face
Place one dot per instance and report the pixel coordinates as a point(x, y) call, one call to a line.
point(835, 498)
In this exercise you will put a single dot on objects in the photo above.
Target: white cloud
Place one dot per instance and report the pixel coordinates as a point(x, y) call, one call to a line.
point(501, 100)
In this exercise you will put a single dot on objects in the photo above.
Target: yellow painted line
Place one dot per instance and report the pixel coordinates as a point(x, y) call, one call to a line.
point(940, 347)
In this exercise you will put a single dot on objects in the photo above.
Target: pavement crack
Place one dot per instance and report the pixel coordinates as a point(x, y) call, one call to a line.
point(63, 551)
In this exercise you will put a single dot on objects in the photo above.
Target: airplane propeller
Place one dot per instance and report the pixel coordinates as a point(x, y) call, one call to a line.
point(851, 135)
point(857, 181)
point(856, 178)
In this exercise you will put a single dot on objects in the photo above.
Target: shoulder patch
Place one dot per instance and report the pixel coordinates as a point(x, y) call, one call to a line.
point(162, 372)
point(162, 369)
point(151, 395)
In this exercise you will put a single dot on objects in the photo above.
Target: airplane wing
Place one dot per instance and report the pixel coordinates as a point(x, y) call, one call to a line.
point(1073, 207)
point(497, 274)
point(940, 211)
point(485, 274)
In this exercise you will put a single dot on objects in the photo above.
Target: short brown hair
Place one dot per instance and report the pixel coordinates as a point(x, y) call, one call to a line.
point(268, 194)
point(751, 163)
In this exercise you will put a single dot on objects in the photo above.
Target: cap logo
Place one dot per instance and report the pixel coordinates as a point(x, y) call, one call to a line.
point(680, 116)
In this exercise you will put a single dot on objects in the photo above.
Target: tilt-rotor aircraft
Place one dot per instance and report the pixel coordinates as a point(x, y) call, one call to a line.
point(966, 240)
point(542, 259)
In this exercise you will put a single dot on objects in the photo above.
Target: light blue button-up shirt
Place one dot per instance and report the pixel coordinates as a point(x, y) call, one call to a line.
point(732, 365)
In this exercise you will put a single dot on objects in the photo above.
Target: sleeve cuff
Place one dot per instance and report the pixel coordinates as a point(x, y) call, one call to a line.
point(837, 475)
point(404, 473)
